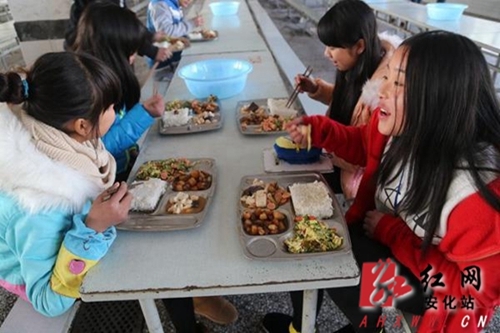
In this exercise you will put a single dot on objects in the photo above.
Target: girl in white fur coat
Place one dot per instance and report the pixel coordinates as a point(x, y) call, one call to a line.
point(349, 32)
point(56, 217)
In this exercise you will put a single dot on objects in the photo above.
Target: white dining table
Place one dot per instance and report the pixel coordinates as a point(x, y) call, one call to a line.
point(209, 260)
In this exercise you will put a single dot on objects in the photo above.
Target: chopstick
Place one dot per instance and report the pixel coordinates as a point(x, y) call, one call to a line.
point(295, 92)
point(150, 73)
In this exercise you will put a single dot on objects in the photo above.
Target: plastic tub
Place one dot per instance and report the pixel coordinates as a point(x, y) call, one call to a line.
point(224, 8)
point(223, 78)
point(445, 11)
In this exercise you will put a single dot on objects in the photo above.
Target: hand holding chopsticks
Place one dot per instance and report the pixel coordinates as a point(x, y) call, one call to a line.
point(297, 89)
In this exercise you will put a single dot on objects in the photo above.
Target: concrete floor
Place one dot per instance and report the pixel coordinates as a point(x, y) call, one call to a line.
point(253, 307)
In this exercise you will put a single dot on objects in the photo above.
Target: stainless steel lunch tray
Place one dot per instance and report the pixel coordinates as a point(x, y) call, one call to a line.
point(159, 220)
point(255, 129)
point(191, 127)
point(272, 247)
point(202, 39)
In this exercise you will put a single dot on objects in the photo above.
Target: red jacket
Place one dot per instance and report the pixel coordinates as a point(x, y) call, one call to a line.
point(472, 237)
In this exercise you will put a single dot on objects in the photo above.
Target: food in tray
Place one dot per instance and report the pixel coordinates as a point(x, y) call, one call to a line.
point(263, 222)
point(164, 169)
point(147, 194)
point(311, 199)
point(288, 151)
point(174, 43)
point(264, 195)
point(182, 112)
point(277, 106)
point(196, 180)
point(202, 34)
point(177, 117)
point(184, 203)
point(253, 114)
point(311, 235)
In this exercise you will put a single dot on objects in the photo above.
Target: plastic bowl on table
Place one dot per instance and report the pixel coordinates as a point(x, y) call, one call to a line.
point(223, 8)
point(223, 78)
point(302, 156)
point(445, 11)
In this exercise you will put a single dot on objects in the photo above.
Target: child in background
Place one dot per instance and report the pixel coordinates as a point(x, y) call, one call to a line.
point(349, 31)
point(431, 189)
point(114, 35)
point(56, 217)
point(147, 48)
point(166, 16)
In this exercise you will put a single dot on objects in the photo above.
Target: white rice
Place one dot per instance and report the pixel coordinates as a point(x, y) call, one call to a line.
point(311, 199)
point(278, 107)
point(147, 194)
point(178, 117)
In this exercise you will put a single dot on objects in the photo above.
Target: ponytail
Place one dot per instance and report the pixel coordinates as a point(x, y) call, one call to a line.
point(13, 89)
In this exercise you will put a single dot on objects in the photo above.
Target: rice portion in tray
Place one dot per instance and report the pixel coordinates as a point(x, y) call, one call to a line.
point(311, 199)
point(312, 235)
point(147, 194)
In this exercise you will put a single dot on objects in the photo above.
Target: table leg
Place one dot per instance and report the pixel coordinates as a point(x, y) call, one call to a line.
point(309, 310)
point(151, 315)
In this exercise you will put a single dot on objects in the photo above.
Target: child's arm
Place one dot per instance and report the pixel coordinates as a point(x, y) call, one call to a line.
point(126, 131)
point(324, 92)
point(347, 142)
point(163, 21)
point(53, 271)
point(472, 239)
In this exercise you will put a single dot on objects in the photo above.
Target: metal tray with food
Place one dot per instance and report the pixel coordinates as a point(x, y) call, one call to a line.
point(204, 35)
point(290, 217)
point(171, 194)
point(191, 116)
point(266, 116)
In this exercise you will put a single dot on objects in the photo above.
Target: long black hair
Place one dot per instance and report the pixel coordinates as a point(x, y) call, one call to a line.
point(343, 26)
point(113, 34)
point(451, 122)
point(61, 87)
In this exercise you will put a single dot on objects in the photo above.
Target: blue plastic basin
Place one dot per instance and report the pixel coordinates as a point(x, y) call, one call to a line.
point(224, 8)
point(223, 78)
point(445, 11)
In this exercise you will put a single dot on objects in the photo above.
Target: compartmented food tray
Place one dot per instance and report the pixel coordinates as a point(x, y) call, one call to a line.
point(159, 219)
point(261, 122)
point(203, 36)
point(269, 242)
point(196, 115)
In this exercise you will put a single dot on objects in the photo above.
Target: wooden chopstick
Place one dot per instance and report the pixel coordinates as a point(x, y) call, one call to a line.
point(150, 73)
point(295, 92)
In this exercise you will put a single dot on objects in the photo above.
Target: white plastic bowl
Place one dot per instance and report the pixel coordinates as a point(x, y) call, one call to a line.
point(445, 11)
point(223, 78)
point(223, 8)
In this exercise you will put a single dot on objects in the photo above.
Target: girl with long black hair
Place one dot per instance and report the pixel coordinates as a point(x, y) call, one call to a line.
point(431, 190)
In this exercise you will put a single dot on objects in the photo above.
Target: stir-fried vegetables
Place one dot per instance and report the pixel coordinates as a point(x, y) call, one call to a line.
point(311, 235)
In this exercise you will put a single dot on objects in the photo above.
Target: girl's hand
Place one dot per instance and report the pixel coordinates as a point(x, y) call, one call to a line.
point(109, 208)
point(198, 21)
point(155, 106)
point(371, 221)
point(163, 54)
point(159, 36)
point(296, 130)
point(306, 84)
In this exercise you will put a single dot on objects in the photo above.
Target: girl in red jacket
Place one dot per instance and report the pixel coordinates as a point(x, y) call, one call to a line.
point(431, 189)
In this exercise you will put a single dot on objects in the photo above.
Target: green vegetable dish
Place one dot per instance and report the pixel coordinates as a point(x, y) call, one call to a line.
point(311, 235)
point(164, 169)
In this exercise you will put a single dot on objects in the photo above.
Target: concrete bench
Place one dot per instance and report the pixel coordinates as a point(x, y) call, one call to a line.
point(283, 54)
point(22, 318)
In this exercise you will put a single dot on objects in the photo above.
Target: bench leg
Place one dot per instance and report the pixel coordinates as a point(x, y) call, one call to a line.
point(151, 315)
point(309, 310)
